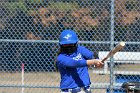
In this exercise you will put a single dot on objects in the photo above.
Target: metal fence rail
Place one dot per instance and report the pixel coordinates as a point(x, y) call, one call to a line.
point(29, 32)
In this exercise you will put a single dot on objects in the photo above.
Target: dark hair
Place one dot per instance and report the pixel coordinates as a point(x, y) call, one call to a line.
point(59, 51)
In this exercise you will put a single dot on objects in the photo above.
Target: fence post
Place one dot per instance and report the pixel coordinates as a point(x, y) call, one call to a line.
point(111, 46)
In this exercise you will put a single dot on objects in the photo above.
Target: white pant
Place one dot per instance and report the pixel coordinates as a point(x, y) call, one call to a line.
point(77, 92)
point(82, 91)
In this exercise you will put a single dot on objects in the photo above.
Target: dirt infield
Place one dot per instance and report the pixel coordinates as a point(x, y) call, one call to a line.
point(49, 80)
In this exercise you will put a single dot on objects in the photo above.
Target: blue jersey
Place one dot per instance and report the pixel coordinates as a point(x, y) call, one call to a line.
point(73, 68)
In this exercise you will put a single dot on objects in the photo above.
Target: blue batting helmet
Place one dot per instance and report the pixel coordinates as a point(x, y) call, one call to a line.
point(68, 37)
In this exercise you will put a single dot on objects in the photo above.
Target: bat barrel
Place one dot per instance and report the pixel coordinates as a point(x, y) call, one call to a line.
point(114, 50)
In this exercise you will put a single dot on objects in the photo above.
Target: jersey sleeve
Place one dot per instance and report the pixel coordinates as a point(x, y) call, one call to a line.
point(65, 61)
point(87, 54)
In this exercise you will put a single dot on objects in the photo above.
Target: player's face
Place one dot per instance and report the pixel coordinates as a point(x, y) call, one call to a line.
point(69, 48)
point(68, 45)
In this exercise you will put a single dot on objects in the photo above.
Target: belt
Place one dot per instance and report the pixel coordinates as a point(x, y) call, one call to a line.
point(75, 90)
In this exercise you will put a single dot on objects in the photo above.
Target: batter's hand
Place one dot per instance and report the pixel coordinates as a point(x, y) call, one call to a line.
point(98, 63)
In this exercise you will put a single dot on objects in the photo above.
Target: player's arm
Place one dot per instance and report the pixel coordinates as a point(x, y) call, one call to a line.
point(65, 61)
point(69, 62)
point(98, 63)
point(92, 58)
point(87, 54)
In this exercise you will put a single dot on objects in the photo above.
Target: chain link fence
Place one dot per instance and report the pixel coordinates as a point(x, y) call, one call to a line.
point(29, 31)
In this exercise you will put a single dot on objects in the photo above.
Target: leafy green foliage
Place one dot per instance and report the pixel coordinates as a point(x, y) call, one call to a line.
point(63, 6)
point(13, 7)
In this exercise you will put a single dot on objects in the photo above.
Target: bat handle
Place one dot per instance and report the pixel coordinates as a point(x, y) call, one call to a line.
point(104, 59)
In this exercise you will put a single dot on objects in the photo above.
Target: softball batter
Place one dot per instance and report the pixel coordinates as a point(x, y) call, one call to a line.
point(72, 62)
